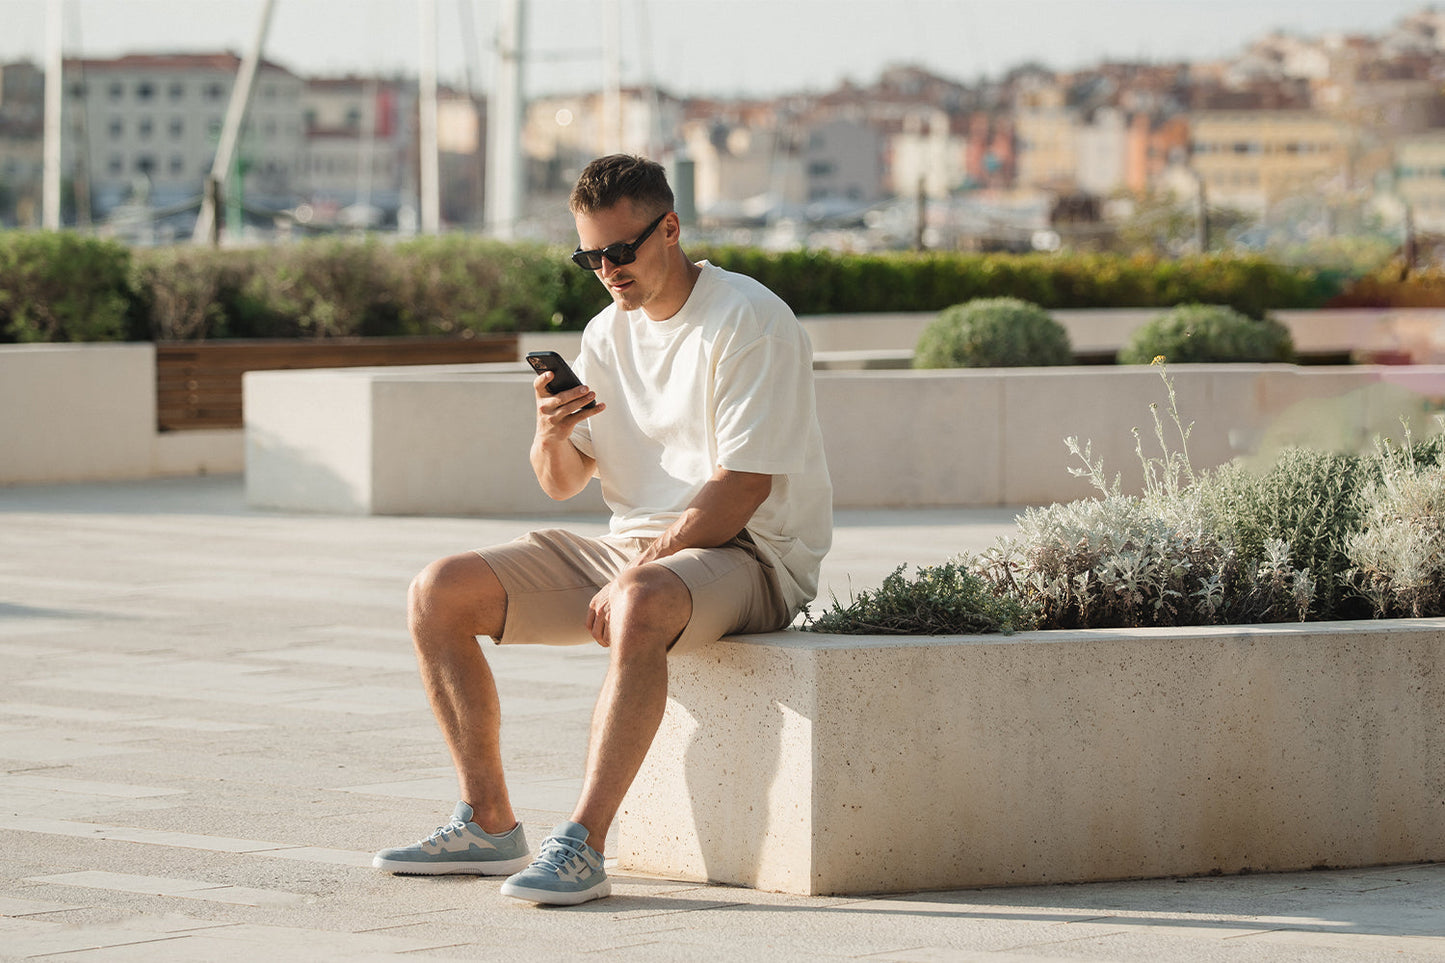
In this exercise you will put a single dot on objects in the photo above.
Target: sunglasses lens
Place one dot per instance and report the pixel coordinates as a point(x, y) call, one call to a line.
point(619, 253)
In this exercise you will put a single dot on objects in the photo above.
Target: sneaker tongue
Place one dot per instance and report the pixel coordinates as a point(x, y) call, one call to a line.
point(462, 814)
point(573, 831)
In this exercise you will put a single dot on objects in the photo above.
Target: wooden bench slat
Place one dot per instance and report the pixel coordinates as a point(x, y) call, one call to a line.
point(199, 385)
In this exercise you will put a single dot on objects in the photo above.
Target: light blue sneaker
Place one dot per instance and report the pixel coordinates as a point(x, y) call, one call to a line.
point(461, 846)
point(566, 871)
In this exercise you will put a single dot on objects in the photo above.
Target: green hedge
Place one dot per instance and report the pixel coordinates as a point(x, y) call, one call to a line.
point(70, 287)
point(814, 282)
point(64, 287)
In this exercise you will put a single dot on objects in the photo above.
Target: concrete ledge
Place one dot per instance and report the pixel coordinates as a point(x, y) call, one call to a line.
point(454, 440)
point(817, 764)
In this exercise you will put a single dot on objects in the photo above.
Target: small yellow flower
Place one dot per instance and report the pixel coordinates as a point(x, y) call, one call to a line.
point(1158, 359)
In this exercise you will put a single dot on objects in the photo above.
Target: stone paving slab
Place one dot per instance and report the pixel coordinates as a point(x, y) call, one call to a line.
point(210, 718)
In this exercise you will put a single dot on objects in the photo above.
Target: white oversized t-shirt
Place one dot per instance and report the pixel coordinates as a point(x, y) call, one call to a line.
point(727, 382)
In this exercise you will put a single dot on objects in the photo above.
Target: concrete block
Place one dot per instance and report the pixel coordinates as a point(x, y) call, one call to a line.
point(439, 439)
point(816, 764)
point(76, 412)
point(308, 440)
point(912, 437)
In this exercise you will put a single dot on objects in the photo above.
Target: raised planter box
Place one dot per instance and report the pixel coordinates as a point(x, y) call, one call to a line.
point(817, 764)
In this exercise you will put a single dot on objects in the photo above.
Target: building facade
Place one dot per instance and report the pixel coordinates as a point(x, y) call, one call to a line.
point(1420, 179)
point(1249, 160)
point(151, 124)
point(359, 150)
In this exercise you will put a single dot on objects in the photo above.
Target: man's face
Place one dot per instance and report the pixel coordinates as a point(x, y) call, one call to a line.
point(633, 285)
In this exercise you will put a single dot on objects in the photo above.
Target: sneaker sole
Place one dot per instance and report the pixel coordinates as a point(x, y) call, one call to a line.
point(495, 867)
point(551, 898)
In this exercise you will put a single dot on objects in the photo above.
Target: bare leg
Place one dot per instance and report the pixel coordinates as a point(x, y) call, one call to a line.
point(650, 607)
point(451, 602)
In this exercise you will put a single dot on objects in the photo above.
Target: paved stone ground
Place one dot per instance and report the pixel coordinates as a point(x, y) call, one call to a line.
point(209, 719)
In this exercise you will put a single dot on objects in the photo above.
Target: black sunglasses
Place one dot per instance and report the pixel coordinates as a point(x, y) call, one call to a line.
point(619, 253)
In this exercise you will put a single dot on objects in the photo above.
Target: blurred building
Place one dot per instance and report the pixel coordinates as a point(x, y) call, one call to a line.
point(462, 149)
point(743, 170)
point(148, 127)
point(1249, 160)
point(929, 155)
point(22, 109)
point(562, 133)
point(1420, 178)
point(359, 156)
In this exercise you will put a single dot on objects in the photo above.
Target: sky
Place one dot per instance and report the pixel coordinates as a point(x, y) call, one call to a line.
point(696, 47)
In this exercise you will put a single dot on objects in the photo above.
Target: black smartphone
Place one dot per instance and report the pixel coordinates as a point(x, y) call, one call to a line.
point(562, 376)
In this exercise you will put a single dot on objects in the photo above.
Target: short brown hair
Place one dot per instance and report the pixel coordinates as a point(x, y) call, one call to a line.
point(618, 177)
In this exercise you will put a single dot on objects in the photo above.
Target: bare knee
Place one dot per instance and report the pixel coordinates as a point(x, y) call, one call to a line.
point(460, 591)
point(651, 607)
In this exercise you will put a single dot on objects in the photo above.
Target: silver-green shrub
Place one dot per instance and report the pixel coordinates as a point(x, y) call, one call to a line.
point(993, 333)
point(1309, 500)
point(1112, 562)
point(1397, 554)
point(1156, 559)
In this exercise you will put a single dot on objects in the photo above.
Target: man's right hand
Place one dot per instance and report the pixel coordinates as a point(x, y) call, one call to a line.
point(561, 469)
point(558, 414)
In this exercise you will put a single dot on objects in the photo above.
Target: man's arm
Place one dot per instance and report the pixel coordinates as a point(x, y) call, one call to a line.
point(719, 512)
point(561, 469)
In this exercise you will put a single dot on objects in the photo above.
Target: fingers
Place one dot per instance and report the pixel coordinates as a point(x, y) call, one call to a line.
point(564, 405)
point(597, 618)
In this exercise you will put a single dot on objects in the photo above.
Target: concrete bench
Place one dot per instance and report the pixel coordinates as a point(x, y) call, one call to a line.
point(817, 764)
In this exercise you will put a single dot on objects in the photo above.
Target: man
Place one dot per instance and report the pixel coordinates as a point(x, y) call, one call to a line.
point(704, 436)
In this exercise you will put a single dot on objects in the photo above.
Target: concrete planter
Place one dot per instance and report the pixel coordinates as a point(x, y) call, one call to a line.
point(443, 440)
point(816, 764)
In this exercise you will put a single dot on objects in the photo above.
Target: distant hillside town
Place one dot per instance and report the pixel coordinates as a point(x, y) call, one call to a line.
point(1308, 135)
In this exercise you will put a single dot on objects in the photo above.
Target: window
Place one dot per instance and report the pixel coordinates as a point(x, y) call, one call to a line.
point(145, 90)
point(144, 127)
point(178, 128)
point(215, 91)
point(177, 90)
point(115, 165)
point(116, 128)
point(178, 165)
point(116, 90)
point(145, 164)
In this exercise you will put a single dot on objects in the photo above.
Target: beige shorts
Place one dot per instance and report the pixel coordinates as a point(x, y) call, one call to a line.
point(552, 575)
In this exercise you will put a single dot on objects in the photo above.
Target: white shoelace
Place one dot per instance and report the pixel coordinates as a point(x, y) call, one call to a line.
point(441, 833)
point(566, 849)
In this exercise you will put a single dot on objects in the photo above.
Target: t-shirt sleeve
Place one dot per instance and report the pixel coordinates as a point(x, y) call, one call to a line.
point(765, 406)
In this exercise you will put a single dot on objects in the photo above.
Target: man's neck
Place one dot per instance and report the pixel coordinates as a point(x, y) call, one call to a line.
point(678, 293)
